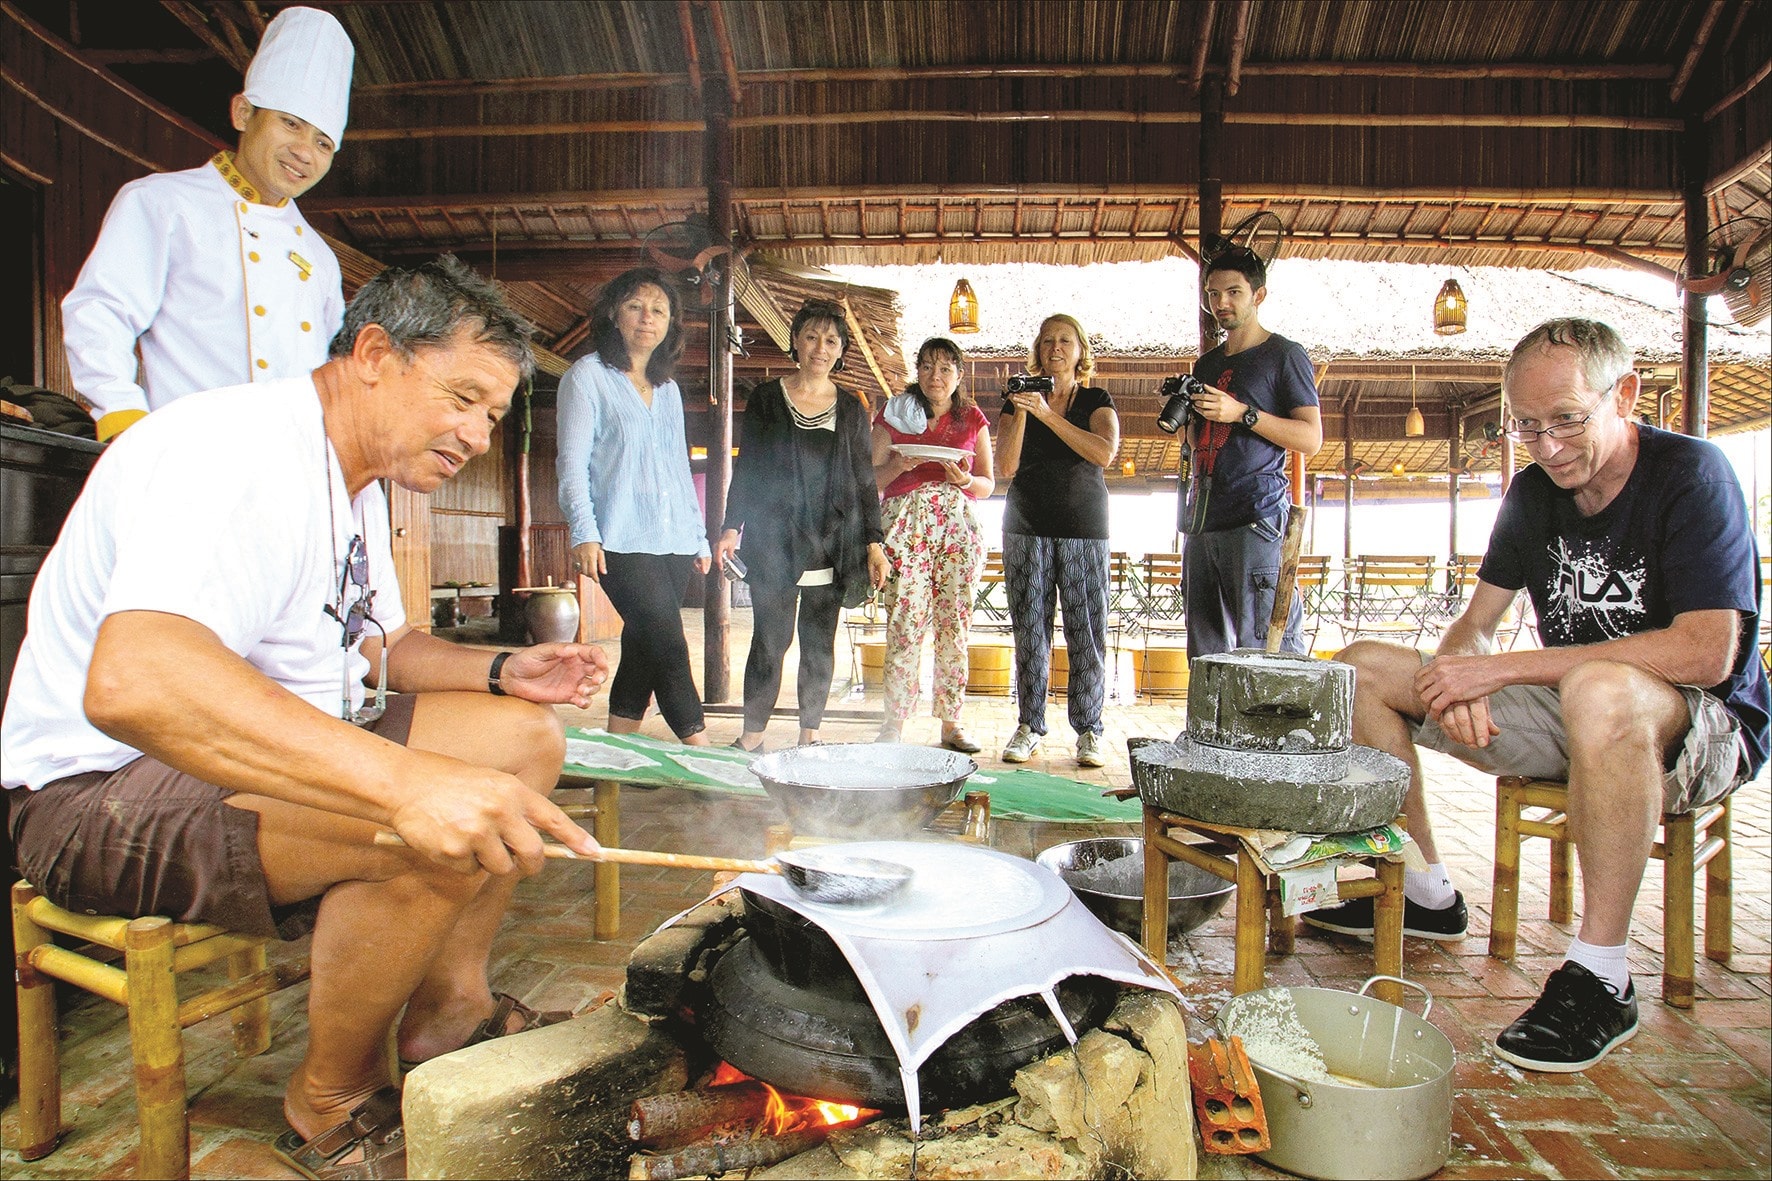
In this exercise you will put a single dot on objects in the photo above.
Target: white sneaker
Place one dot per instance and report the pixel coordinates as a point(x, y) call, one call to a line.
point(1022, 744)
point(1089, 750)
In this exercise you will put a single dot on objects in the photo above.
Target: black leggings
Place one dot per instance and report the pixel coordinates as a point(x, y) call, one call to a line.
point(772, 628)
point(647, 590)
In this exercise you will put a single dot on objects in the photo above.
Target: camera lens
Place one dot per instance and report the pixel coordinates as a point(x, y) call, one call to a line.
point(1174, 414)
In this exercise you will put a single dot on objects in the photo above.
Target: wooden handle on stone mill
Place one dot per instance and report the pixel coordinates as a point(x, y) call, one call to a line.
point(1288, 577)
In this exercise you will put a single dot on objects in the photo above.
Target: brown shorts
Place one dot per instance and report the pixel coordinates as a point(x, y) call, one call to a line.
point(146, 839)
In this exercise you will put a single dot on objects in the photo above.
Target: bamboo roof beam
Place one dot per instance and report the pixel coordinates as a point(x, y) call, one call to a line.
point(1253, 192)
point(728, 61)
point(691, 56)
point(1202, 46)
point(188, 15)
point(640, 80)
point(1699, 40)
point(1740, 92)
point(1233, 71)
point(1149, 118)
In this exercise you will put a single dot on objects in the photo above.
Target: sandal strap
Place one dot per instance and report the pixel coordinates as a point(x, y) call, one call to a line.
point(377, 1120)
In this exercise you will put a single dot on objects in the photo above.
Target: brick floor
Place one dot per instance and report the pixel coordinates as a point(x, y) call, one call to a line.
point(1689, 1097)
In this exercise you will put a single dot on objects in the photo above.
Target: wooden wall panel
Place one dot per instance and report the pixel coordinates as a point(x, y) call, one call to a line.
point(464, 546)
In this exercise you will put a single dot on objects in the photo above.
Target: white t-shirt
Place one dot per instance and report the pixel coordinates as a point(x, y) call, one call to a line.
point(215, 508)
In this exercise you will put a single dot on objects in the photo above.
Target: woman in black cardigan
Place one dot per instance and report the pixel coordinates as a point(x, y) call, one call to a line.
point(804, 500)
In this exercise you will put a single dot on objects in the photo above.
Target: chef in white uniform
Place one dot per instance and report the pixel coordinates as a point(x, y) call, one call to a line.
point(214, 271)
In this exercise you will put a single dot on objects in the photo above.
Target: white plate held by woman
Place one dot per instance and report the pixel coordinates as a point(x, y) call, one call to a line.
point(929, 453)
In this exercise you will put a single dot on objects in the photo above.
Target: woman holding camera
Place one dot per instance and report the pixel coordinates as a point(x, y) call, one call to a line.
point(932, 535)
point(804, 502)
point(629, 499)
point(1056, 446)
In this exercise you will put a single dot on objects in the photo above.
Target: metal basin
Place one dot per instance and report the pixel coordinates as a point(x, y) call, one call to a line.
point(863, 790)
point(1107, 875)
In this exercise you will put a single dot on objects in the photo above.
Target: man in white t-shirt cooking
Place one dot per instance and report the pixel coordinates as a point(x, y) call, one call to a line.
point(188, 734)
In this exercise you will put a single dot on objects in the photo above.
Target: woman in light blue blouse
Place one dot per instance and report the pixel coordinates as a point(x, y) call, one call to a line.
point(625, 486)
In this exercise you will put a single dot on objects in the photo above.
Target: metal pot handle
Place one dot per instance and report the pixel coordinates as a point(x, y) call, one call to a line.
point(1298, 1085)
point(1426, 1008)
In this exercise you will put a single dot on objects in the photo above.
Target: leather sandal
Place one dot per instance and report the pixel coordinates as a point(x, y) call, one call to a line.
point(374, 1128)
point(498, 1025)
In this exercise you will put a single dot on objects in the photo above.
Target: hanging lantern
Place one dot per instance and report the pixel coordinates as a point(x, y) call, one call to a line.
point(1129, 468)
point(963, 309)
point(1413, 426)
point(1449, 309)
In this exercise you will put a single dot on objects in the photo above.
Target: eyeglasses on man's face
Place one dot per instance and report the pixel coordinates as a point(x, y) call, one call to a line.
point(1566, 426)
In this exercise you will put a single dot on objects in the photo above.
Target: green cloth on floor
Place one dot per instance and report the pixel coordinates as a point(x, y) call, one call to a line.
point(1015, 794)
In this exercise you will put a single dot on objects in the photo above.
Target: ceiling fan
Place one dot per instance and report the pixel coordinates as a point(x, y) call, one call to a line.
point(1738, 267)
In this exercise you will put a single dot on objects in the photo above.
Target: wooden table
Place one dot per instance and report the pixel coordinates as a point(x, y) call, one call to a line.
point(1258, 894)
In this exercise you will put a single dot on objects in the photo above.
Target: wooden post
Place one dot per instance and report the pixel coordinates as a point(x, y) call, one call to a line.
point(606, 875)
point(1154, 927)
point(717, 593)
point(1211, 194)
point(1694, 345)
point(1454, 456)
point(1347, 488)
point(1504, 910)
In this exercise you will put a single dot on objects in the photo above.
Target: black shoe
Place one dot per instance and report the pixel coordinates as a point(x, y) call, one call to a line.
point(1354, 917)
point(1575, 1022)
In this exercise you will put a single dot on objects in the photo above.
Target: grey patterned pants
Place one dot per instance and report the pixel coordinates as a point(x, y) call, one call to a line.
point(1074, 571)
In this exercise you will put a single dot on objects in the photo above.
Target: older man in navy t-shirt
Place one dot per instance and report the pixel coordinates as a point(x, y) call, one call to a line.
point(1648, 695)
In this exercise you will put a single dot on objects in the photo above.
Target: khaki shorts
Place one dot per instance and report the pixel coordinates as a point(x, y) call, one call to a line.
point(146, 839)
point(1711, 763)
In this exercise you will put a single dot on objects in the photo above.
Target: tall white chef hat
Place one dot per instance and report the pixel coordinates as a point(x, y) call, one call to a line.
point(303, 66)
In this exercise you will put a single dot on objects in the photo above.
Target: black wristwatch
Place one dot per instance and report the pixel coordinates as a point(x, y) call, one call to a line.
point(1251, 416)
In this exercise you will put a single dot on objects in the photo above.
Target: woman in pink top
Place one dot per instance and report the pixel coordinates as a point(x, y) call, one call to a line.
point(932, 535)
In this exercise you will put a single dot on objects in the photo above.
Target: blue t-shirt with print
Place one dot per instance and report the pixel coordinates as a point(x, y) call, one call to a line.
point(1246, 474)
point(1676, 538)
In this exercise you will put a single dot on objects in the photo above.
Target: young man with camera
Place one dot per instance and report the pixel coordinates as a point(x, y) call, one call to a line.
point(1256, 402)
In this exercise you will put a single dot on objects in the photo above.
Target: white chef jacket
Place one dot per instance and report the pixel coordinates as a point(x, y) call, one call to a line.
point(213, 285)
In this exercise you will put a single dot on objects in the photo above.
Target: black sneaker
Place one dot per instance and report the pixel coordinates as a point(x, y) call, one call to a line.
point(1354, 917)
point(1575, 1022)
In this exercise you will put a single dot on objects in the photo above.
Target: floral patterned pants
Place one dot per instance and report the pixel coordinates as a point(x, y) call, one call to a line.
point(936, 549)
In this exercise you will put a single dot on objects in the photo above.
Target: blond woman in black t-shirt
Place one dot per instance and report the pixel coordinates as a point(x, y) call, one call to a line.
point(1054, 449)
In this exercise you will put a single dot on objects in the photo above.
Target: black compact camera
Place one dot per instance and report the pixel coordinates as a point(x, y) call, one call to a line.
point(1178, 393)
point(1024, 383)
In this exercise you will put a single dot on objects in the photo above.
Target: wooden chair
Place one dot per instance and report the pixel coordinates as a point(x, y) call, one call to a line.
point(1387, 595)
point(1313, 594)
point(155, 951)
point(992, 597)
point(1681, 850)
point(1163, 587)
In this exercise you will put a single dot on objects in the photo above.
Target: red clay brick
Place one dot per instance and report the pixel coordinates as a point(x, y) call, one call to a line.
point(1567, 1153)
point(1707, 1074)
point(1753, 1014)
point(1752, 1045)
point(243, 1157)
point(1626, 1088)
point(1526, 1106)
point(1667, 1154)
point(1742, 1119)
point(1472, 1123)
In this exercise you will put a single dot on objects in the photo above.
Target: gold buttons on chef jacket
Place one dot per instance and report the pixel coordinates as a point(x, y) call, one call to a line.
point(259, 310)
point(298, 230)
point(243, 207)
point(253, 256)
point(306, 327)
point(263, 364)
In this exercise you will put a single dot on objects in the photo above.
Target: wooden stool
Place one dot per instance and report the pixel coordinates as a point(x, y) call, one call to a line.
point(1679, 848)
point(154, 951)
point(1258, 893)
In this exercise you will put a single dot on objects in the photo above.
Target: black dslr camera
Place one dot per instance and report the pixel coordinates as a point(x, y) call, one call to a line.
point(1024, 383)
point(1179, 393)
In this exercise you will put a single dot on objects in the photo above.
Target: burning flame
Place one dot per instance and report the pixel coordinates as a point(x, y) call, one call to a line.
point(791, 1113)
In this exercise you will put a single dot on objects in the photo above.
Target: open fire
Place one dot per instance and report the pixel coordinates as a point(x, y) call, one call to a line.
point(734, 1122)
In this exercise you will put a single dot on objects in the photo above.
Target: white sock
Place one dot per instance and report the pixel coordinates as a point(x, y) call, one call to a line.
point(1610, 964)
point(1430, 887)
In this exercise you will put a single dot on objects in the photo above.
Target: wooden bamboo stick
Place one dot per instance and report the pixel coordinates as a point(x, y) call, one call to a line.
point(1233, 71)
point(1202, 46)
point(1699, 40)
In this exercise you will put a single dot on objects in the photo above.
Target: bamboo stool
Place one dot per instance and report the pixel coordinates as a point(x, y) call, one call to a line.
point(1679, 849)
point(154, 951)
point(1258, 894)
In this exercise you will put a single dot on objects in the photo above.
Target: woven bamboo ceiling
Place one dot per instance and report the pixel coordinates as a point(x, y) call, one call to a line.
point(546, 140)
